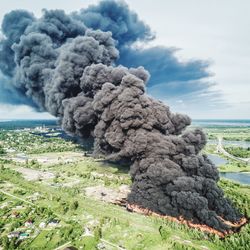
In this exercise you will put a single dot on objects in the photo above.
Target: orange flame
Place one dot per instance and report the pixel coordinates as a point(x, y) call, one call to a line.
point(181, 220)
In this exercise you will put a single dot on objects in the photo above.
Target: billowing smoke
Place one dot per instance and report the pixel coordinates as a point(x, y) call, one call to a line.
point(160, 61)
point(65, 64)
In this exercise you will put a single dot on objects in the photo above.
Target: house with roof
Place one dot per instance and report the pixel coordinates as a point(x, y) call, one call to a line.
point(13, 234)
point(42, 225)
point(28, 223)
point(53, 223)
point(23, 236)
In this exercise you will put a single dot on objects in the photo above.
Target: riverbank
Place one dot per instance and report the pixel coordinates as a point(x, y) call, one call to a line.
point(234, 168)
point(220, 137)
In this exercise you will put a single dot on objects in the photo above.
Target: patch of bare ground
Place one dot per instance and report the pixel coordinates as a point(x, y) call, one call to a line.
point(107, 194)
point(34, 175)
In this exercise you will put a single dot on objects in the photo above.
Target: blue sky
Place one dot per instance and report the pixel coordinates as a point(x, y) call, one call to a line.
point(207, 30)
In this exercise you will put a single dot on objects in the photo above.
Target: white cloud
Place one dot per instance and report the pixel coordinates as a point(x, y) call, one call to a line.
point(21, 112)
point(211, 29)
point(179, 101)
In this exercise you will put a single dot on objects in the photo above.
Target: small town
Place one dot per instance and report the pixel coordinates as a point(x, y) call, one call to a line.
point(52, 193)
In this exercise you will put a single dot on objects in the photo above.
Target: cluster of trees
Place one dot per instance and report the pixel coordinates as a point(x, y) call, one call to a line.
point(34, 144)
point(8, 244)
point(33, 163)
point(66, 206)
point(2, 150)
point(239, 151)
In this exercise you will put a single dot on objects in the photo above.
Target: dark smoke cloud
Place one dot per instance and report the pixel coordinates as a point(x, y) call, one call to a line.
point(29, 48)
point(164, 67)
point(13, 26)
point(10, 95)
point(94, 47)
point(69, 70)
point(169, 174)
point(34, 54)
point(160, 61)
point(57, 25)
point(116, 17)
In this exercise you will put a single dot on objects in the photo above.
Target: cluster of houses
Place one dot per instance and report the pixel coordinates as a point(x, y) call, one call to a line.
point(18, 234)
point(25, 231)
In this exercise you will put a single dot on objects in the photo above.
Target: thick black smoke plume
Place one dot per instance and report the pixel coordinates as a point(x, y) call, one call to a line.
point(64, 65)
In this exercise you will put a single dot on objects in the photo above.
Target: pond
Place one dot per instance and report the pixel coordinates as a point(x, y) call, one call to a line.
point(217, 160)
point(243, 178)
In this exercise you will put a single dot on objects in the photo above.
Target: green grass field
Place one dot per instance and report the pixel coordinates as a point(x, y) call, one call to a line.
point(115, 224)
point(89, 223)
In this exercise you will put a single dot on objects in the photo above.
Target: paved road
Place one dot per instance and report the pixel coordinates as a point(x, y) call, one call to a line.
point(111, 244)
point(224, 152)
point(62, 246)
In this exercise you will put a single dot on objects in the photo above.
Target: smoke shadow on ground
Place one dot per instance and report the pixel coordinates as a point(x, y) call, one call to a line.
point(87, 144)
point(122, 168)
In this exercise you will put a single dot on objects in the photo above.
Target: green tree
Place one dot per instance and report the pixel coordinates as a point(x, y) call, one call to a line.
point(98, 233)
point(74, 205)
point(164, 232)
point(5, 242)
point(2, 150)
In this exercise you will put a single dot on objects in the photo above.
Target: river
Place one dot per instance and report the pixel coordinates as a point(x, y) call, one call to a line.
point(243, 178)
point(217, 160)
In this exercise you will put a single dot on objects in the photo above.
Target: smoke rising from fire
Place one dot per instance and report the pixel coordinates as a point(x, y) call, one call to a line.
point(65, 64)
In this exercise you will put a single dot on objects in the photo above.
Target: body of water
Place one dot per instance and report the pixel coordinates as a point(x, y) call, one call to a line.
point(21, 124)
point(243, 178)
point(217, 160)
point(221, 123)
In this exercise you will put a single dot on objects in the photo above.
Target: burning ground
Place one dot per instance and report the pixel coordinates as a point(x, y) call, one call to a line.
point(67, 65)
